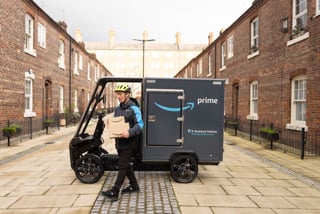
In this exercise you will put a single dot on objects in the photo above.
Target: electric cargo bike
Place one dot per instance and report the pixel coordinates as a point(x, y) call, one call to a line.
point(183, 127)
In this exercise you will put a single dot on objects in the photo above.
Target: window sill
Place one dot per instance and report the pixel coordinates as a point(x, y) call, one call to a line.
point(62, 66)
point(31, 52)
point(252, 117)
point(316, 15)
point(298, 39)
point(29, 114)
point(296, 127)
point(222, 68)
point(254, 54)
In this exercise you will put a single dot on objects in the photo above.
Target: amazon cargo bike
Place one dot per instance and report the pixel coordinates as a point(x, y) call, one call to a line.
point(183, 128)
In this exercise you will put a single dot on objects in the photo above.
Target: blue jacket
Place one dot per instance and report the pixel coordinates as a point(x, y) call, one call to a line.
point(132, 115)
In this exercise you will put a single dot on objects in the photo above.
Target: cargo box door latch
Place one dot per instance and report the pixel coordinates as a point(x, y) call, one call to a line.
point(180, 140)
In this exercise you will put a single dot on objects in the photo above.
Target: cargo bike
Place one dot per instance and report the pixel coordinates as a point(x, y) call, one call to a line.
point(183, 128)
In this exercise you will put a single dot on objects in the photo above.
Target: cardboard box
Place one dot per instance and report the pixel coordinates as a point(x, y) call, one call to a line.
point(116, 125)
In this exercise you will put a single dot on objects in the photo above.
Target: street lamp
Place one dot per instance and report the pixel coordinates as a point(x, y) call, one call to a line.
point(143, 47)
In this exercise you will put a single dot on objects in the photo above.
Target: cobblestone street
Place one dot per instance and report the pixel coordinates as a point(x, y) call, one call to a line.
point(156, 196)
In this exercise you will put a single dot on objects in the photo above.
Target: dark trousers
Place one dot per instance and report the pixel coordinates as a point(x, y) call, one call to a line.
point(125, 166)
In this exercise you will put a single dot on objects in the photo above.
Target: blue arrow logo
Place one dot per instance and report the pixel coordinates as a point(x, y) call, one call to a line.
point(189, 105)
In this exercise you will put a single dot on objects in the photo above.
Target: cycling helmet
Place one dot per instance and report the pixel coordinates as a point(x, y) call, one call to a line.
point(122, 88)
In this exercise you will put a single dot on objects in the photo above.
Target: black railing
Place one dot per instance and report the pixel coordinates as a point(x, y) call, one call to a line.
point(31, 126)
point(298, 142)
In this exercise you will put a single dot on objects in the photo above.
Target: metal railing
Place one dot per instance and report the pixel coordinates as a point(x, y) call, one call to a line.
point(297, 142)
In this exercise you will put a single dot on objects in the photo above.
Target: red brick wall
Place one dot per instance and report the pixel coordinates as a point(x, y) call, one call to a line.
point(274, 67)
point(14, 62)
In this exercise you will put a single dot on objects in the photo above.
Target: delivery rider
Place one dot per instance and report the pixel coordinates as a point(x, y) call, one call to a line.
point(127, 142)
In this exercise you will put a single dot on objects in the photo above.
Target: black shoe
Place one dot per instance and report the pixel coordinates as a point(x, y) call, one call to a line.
point(130, 189)
point(113, 193)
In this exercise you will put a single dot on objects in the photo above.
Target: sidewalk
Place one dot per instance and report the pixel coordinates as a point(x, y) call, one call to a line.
point(309, 167)
point(35, 177)
point(19, 149)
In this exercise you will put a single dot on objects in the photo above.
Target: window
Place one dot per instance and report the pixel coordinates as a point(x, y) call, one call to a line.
point(298, 103)
point(254, 100)
point(28, 43)
point(318, 7)
point(75, 68)
point(89, 72)
point(299, 16)
point(230, 46)
point(28, 94)
point(223, 56)
point(88, 99)
point(61, 91)
point(80, 62)
point(75, 101)
point(199, 68)
point(209, 65)
point(96, 73)
point(254, 43)
point(61, 55)
point(41, 35)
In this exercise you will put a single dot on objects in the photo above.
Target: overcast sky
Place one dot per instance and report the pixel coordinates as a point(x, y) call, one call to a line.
point(194, 19)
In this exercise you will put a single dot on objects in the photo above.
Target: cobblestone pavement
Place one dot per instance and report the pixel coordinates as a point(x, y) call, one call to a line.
point(156, 196)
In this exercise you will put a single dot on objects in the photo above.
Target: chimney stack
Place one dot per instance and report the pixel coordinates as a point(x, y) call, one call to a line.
point(210, 38)
point(78, 36)
point(178, 39)
point(63, 25)
point(112, 38)
point(145, 35)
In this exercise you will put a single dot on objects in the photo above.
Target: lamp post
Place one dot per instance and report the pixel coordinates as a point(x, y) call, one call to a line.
point(143, 48)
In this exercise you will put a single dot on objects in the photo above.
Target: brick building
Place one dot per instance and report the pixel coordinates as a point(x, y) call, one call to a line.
point(43, 70)
point(270, 58)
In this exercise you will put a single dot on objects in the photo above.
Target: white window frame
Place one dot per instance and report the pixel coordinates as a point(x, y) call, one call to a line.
point(80, 62)
point(298, 95)
point(318, 8)
point(254, 38)
point(75, 103)
point(76, 65)
point(223, 56)
point(61, 59)
point(296, 15)
point(29, 35)
point(88, 99)
point(199, 68)
point(28, 94)
point(42, 31)
point(89, 71)
point(230, 47)
point(209, 64)
point(61, 95)
point(254, 90)
point(96, 73)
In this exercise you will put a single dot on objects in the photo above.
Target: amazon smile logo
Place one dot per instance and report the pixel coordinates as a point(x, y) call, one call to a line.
point(189, 105)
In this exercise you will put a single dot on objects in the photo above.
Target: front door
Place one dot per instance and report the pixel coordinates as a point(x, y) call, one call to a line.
point(164, 122)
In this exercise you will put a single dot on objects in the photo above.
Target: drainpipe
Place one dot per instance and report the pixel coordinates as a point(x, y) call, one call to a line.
point(215, 61)
point(70, 73)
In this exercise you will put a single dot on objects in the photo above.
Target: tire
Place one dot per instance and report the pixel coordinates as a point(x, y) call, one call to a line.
point(184, 168)
point(89, 169)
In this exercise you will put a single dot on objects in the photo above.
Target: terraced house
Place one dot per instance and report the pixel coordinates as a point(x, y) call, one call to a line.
point(43, 70)
point(270, 58)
